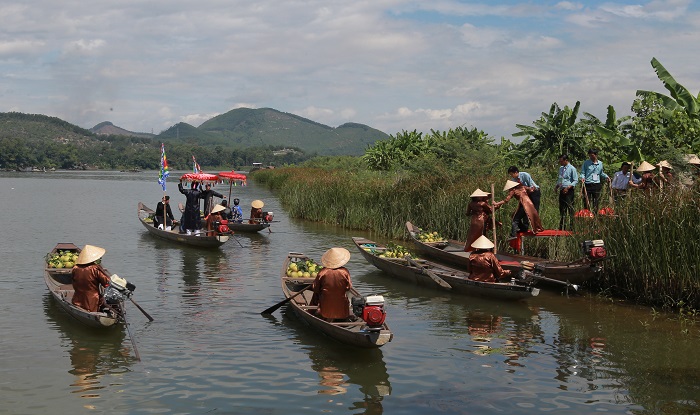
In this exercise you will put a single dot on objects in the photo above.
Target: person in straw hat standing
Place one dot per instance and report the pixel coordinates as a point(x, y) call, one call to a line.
point(88, 276)
point(331, 285)
point(256, 213)
point(480, 212)
point(648, 179)
point(521, 223)
point(666, 176)
point(483, 264)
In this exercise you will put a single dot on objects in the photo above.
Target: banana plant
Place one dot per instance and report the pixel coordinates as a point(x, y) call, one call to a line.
point(680, 97)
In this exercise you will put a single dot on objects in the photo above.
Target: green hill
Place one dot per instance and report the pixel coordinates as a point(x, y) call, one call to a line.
point(246, 127)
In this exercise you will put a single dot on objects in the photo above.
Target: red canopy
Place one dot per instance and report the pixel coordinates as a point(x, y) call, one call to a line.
point(200, 177)
point(232, 175)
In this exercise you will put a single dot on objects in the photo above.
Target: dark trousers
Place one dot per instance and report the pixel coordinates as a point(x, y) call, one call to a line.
point(566, 209)
point(520, 221)
point(593, 193)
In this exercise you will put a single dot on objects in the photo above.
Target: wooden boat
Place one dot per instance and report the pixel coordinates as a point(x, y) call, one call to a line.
point(355, 333)
point(200, 240)
point(417, 271)
point(60, 284)
point(452, 252)
point(247, 227)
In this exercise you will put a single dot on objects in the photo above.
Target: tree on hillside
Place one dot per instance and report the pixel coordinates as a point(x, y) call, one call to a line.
point(554, 133)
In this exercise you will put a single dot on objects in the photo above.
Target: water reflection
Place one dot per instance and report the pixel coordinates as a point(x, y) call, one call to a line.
point(94, 354)
point(340, 367)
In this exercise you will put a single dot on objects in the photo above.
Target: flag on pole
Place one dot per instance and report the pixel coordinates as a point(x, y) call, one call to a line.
point(164, 173)
point(195, 166)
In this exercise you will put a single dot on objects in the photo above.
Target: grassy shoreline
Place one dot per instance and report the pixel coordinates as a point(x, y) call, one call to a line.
point(652, 239)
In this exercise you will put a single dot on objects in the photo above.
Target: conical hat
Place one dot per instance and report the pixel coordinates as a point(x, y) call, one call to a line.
point(335, 258)
point(509, 185)
point(479, 193)
point(257, 204)
point(645, 166)
point(665, 163)
point(90, 254)
point(693, 159)
point(483, 242)
point(217, 208)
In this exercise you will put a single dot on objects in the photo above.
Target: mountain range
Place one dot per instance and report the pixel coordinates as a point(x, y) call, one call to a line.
point(246, 127)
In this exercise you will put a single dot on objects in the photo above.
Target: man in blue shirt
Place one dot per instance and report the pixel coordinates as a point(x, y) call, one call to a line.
point(520, 222)
point(566, 182)
point(591, 173)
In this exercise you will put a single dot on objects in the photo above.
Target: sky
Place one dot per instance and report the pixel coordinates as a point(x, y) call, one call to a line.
point(395, 65)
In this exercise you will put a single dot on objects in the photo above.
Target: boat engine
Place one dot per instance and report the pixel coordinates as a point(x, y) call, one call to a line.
point(371, 310)
point(118, 289)
point(594, 249)
point(222, 226)
point(268, 216)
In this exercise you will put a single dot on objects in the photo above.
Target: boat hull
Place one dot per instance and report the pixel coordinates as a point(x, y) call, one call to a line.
point(400, 269)
point(200, 240)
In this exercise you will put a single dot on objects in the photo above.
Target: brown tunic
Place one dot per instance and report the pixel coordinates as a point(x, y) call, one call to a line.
point(329, 288)
point(211, 220)
point(86, 282)
point(520, 193)
point(484, 266)
point(648, 183)
point(480, 213)
point(255, 214)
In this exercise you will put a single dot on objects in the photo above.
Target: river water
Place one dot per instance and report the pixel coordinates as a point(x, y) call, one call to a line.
point(210, 351)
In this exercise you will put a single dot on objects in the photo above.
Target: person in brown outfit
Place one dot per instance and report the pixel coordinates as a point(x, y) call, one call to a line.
point(256, 213)
point(480, 212)
point(331, 285)
point(483, 264)
point(519, 191)
point(649, 181)
point(88, 276)
point(213, 218)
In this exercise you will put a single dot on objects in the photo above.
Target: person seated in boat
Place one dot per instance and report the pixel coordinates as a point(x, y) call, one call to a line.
point(480, 212)
point(190, 222)
point(331, 286)
point(88, 278)
point(483, 264)
point(226, 213)
point(163, 209)
point(517, 190)
point(256, 213)
point(236, 211)
point(213, 220)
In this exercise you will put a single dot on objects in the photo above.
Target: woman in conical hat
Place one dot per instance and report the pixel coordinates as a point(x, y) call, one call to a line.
point(88, 276)
point(666, 176)
point(519, 191)
point(483, 264)
point(480, 213)
point(648, 182)
point(212, 218)
point(256, 213)
point(331, 285)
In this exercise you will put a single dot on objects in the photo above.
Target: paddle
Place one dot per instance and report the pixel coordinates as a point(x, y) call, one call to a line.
point(283, 302)
point(131, 337)
point(430, 273)
point(142, 310)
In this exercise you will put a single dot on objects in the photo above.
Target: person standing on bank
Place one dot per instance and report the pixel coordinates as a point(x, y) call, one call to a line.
point(620, 181)
point(518, 191)
point(331, 285)
point(208, 197)
point(483, 264)
point(88, 278)
point(190, 220)
point(648, 182)
point(591, 173)
point(566, 182)
point(163, 212)
point(480, 213)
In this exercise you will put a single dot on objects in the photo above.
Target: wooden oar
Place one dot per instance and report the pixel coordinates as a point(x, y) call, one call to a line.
point(142, 310)
point(128, 329)
point(430, 273)
point(285, 301)
point(493, 218)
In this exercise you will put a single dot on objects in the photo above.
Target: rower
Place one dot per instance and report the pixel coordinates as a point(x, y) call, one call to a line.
point(483, 264)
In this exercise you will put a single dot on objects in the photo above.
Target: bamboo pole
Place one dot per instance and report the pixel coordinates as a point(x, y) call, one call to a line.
point(493, 217)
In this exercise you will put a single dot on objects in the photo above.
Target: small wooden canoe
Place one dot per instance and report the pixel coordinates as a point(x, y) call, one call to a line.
point(418, 271)
point(200, 240)
point(354, 333)
point(452, 252)
point(60, 283)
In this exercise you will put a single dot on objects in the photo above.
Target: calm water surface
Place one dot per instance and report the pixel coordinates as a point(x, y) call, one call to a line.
point(210, 351)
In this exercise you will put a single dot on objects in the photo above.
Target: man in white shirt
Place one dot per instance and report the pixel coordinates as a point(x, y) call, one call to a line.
point(621, 180)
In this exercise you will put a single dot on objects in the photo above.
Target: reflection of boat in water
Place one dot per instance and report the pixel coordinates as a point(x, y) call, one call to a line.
point(341, 368)
point(93, 354)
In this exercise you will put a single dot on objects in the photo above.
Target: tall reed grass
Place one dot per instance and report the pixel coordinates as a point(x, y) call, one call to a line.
point(653, 239)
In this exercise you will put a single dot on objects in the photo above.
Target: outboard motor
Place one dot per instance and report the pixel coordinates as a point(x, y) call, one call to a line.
point(118, 290)
point(222, 226)
point(268, 216)
point(371, 310)
point(594, 249)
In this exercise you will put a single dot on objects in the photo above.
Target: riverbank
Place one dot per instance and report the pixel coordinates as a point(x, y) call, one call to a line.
point(651, 239)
